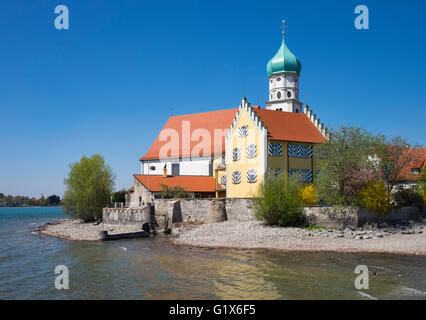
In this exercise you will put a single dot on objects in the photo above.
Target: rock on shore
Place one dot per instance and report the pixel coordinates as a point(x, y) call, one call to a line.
point(256, 235)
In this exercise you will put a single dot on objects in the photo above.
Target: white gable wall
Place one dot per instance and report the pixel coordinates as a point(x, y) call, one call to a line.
point(187, 167)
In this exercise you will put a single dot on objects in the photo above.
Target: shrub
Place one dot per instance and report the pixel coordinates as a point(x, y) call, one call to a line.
point(376, 197)
point(408, 197)
point(308, 195)
point(278, 202)
point(173, 192)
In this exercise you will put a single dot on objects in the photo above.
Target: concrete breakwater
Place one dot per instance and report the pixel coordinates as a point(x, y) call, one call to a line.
point(165, 212)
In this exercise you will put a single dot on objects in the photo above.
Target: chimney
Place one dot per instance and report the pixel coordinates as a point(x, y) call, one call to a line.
point(165, 171)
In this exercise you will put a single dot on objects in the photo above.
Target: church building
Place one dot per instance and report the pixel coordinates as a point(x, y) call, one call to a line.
point(227, 153)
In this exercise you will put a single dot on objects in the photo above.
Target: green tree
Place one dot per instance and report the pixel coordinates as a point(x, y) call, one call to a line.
point(278, 202)
point(423, 174)
point(53, 200)
point(119, 196)
point(348, 164)
point(42, 201)
point(89, 187)
point(173, 192)
point(32, 203)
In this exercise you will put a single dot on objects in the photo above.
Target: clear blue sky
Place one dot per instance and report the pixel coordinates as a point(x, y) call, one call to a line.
point(109, 83)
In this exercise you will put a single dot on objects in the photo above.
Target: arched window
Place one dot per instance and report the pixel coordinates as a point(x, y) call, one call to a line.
point(289, 94)
point(279, 95)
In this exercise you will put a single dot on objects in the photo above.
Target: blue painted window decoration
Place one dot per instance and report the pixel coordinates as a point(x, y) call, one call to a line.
point(299, 151)
point(304, 175)
point(251, 151)
point(251, 176)
point(275, 172)
point(275, 149)
point(236, 154)
point(223, 180)
point(292, 150)
point(243, 131)
point(236, 177)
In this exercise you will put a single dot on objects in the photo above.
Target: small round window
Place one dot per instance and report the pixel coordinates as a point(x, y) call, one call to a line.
point(278, 79)
point(279, 95)
point(289, 94)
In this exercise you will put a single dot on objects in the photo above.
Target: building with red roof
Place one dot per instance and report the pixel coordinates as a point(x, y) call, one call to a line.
point(228, 152)
point(411, 172)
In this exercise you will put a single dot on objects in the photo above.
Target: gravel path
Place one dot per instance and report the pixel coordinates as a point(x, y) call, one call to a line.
point(77, 230)
point(255, 235)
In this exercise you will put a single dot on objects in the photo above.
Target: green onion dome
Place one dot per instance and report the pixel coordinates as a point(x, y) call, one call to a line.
point(283, 61)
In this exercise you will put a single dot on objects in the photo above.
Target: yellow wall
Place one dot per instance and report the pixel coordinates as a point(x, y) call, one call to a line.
point(244, 189)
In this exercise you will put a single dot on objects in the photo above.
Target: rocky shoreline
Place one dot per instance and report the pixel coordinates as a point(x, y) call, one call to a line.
point(401, 239)
point(397, 239)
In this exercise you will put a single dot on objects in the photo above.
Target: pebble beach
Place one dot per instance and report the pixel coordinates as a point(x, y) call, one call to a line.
point(407, 239)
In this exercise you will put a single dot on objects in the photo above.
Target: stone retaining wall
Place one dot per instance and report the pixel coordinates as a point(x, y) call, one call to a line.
point(198, 210)
point(126, 216)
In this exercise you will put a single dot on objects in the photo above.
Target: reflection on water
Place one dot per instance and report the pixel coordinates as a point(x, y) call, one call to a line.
point(153, 269)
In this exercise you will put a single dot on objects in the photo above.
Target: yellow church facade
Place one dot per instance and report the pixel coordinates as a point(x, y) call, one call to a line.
point(252, 151)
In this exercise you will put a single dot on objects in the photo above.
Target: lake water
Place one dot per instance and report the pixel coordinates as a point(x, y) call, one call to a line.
point(153, 269)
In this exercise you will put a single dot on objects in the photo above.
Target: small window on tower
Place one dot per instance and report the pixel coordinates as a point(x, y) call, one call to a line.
point(271, 81)
point(289, 94)
point(279, 95)
point(278, 79)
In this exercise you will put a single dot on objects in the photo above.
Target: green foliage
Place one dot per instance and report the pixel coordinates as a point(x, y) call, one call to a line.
point(313, 227)
point(42, 201)
point(347, 166)
point(376, 197)
point(89, 188)
point(173, 192)
point(119, 196)
point(53, 200)
point(32, 203)
point(423, 174)
point(408, 197)
point(278, 202)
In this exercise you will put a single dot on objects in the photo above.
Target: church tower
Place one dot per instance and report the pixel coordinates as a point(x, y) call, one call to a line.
point(283, 74)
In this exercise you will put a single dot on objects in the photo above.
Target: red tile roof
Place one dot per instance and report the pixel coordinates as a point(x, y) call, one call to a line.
point(281, 125)
point(289, 126)
point(418, 160)
point(189, 183)
point(209, 121)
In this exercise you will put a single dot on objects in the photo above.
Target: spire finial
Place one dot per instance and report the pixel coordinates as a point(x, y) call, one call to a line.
point(283, 26)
